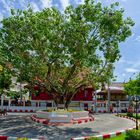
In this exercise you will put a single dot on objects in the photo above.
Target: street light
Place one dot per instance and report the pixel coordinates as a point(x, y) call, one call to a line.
point(136, 99)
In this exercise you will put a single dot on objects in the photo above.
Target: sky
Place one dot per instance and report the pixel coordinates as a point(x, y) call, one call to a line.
point(129, 64)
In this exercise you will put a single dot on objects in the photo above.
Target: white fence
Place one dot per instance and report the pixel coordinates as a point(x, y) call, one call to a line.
point(42, 105)
point(22, 108)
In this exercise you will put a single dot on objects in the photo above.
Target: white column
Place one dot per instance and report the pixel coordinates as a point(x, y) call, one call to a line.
point(52, 104)
point(2, 97)
point(24, 103)
point(95, 100)
point(80, 105)
point(9, 102)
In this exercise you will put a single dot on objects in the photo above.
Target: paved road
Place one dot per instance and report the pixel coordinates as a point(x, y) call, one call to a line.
point(20, 125)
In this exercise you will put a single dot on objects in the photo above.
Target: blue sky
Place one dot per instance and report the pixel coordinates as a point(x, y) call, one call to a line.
point(129, 63)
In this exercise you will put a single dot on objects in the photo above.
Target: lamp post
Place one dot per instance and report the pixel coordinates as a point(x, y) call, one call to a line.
point(136, 99)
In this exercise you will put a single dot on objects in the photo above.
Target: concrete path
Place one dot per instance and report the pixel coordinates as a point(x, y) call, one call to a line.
point(20, 125)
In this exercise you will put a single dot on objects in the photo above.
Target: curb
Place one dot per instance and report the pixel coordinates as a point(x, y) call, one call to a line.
point(18, 138)
point(16, 110)
point(104, 136)
point(74, 122)
point(24, 111)
point(133, 119)
point(109, 135)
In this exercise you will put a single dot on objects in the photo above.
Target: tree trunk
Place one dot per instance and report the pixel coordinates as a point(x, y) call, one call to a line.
point(58, 99)
point(61, 100)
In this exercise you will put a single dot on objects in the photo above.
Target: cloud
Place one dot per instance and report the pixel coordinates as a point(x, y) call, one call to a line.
point(124, 0)
point(1, 16)
point(46, 3)
point(35, 6)
point(123, 74)
point(64, 3)
point(133, 34)
point(81, 1)
point(5, 5)
point(111, 1)
point(138, 38)
point(131, 70)
point(136, 64)
point(123, 60)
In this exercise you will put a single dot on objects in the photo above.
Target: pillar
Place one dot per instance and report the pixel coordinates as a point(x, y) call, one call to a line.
point(9, 102)
point(24, 103)
point(2, 98)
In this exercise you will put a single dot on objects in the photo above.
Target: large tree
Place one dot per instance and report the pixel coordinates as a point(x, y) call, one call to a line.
point(64, 52)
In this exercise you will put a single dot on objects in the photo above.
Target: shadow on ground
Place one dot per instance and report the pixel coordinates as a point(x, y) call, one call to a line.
point(22, 126)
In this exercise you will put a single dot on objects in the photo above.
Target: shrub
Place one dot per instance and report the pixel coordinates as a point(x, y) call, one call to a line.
point(130, 114)
point(138, 117)
point(132, 135)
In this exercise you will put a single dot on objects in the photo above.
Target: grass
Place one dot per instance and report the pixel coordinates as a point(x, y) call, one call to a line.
point(120, 137)
point(134, 116)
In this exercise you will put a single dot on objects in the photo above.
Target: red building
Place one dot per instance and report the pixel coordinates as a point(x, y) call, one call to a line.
point(83, 99)
point(86, 99)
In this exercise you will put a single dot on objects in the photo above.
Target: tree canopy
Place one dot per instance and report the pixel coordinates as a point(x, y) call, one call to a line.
point(5, 79)
point(133, 86)
point(63, 52)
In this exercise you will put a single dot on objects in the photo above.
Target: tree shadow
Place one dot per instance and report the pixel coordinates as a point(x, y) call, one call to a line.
point(23, 126)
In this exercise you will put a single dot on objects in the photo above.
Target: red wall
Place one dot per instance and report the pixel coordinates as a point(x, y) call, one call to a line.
point(41, 96)
point(83, 95)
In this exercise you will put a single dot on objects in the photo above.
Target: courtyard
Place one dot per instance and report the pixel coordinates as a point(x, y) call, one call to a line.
point(21, 125)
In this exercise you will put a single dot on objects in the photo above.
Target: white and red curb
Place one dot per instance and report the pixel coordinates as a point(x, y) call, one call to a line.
point(109, 135)
point(104, 136)
point(25, 111)
point(133, 119)
point(83, 121)
point(74, 122)
point(18, 138)
point(16, 110)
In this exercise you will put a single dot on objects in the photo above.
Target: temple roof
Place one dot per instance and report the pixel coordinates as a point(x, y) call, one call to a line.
point(114, 88)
